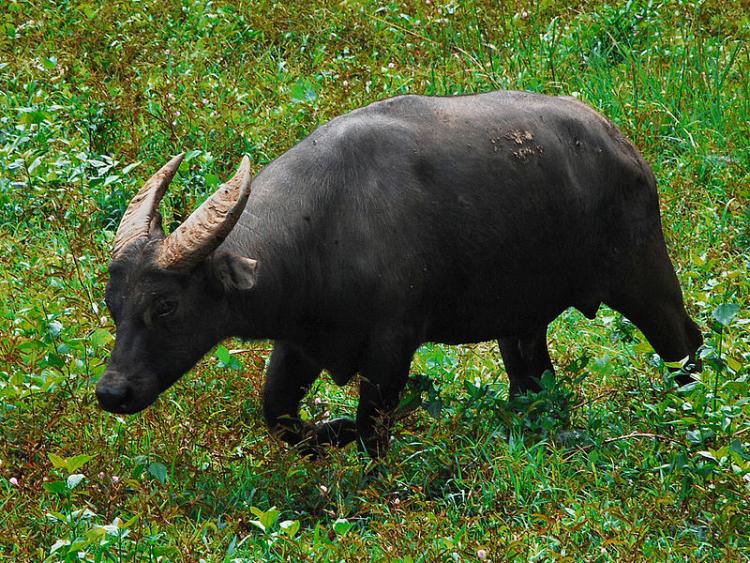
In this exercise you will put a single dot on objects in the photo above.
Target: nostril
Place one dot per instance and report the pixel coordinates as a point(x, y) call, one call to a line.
point(112, 395)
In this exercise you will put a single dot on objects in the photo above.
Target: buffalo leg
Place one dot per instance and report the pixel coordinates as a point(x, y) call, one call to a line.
point(338, 432)
point(288, 379)
point(526, 359)
point(652, 299)
point(670, 330)
point(381, 384)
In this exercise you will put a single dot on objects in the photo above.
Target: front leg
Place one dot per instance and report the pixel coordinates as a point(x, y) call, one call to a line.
point(338, 432)
point(380, 388)
point(288, 378)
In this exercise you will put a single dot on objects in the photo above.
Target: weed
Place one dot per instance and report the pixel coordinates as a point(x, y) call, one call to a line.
point(611, 462)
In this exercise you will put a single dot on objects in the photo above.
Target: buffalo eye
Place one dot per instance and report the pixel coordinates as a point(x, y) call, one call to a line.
point(164, 308)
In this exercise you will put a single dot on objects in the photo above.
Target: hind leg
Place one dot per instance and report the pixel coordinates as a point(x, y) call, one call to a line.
point(650, 296)
point(526, 359)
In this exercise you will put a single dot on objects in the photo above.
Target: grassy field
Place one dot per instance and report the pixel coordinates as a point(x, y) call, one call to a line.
point(614, 463)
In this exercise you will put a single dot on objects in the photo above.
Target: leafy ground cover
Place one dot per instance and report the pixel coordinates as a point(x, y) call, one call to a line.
point(614, 462)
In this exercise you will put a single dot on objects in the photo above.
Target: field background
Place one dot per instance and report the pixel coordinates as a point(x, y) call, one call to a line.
point(614, 463)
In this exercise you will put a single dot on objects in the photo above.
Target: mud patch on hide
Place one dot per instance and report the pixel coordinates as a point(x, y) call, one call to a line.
point(519, 136)
point(524, 139)
point(525, 153)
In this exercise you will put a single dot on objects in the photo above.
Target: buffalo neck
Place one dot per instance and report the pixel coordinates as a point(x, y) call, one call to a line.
point(266, 311)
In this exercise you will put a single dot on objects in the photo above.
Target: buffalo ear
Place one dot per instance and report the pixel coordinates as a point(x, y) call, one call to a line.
point(234, 272)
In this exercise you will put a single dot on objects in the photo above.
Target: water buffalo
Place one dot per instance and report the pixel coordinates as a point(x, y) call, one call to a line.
point(414, 219)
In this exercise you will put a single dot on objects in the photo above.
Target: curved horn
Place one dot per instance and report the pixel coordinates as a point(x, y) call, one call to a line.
point(144, 207)
point(208, 225)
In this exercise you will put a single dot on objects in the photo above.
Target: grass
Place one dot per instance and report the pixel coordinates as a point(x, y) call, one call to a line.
point(612, 463)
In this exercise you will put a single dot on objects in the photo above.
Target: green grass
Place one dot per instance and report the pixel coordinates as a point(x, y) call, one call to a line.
point(613, 463)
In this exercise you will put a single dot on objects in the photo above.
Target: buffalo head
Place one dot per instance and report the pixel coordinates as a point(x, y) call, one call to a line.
point(166, 294)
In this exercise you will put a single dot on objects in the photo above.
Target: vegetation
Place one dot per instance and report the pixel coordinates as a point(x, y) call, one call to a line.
point(614, 462)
